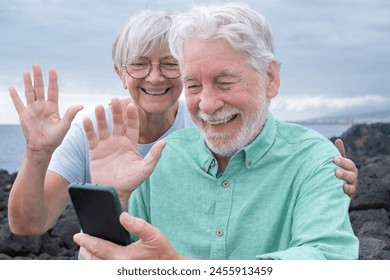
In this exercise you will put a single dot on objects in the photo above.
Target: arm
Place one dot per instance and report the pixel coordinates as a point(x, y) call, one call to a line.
point(349, 172)
point(320, 225)
point(37, 197)
point(152, 244)
point(114, 157)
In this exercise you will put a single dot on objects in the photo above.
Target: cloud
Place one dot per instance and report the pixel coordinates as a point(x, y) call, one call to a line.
point(334, 53)
point(307, 106)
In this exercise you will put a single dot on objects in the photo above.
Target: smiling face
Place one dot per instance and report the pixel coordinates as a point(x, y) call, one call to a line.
point(227, 99)
point(154, 94)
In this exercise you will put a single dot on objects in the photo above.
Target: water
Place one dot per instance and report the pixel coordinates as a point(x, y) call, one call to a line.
point(332, 130)
point(12, 145)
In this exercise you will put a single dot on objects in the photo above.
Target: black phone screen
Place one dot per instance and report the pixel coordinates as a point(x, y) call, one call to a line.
point(98, 209)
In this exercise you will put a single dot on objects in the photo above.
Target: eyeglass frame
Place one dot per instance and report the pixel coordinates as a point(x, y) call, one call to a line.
point(150, 69)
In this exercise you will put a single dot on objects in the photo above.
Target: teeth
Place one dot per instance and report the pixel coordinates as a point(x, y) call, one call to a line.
point(156, 92)
point(221, 122)
point(221, 117)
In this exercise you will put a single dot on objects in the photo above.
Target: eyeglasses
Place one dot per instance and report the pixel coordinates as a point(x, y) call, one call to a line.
point(140, 68)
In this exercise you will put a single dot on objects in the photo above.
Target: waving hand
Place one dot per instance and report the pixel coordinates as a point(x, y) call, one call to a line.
point(42, 126)
point(114, 157)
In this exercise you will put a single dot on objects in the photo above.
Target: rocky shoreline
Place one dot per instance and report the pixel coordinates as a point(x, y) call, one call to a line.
point(367, 145)
point(56, 244)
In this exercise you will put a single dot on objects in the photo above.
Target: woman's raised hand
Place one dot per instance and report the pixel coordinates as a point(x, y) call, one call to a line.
point(114, 156)
point(42, 126)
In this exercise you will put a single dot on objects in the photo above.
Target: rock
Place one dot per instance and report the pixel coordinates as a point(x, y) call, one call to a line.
point(369, 147)
point(359, 218)
point(373, 191)
point(368, 140)
point(57, 243)
point(13, 245)
point(373, 249)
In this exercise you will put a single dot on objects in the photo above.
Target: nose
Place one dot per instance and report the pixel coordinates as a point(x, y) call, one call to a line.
point(210, 101)
point(155, 72)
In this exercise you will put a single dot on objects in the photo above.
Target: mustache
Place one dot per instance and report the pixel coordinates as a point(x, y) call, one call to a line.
point(221, 114)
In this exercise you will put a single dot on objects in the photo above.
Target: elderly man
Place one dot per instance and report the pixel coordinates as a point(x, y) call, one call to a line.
point(246, 185)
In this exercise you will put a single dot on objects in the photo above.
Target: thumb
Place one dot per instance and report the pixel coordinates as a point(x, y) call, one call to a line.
point(139, 227)
point(153, 156)
point(340, 146)
point(71, 114)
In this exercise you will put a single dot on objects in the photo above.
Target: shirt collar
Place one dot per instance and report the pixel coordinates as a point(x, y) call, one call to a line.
point(262, 143)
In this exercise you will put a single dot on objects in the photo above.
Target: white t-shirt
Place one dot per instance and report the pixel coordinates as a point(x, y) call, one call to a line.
point(71, 158)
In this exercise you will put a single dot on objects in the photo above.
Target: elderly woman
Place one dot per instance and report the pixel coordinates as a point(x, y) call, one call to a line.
point(57, 153)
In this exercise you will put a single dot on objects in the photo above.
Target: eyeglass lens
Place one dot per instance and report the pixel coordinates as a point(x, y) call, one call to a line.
point(141, 67)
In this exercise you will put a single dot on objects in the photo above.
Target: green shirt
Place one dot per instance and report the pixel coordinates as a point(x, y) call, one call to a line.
point(277, 199)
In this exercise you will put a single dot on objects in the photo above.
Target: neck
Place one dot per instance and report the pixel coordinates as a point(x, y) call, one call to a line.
point(222, 162)
point(153, 126)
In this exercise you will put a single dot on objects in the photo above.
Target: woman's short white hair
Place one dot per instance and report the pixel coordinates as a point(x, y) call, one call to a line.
point(140, 34)
point(245, 29)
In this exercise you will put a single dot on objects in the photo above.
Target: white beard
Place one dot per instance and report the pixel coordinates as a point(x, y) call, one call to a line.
point(227, 143)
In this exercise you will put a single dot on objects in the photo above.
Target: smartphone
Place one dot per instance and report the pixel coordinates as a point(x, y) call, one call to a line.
point(98, 208)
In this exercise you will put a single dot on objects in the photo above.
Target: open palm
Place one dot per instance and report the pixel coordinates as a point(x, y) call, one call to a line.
point(40, 120)
point(114, 157)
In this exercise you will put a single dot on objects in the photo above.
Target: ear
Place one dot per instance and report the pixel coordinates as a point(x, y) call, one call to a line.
point(273, 79)
point(119, 72)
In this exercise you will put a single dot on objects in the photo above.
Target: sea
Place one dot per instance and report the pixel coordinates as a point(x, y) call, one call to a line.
point(12, 144)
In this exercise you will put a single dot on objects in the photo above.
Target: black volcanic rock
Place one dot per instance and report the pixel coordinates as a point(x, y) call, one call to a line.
point(368, 140)
point(368, 145)
point(57, 243)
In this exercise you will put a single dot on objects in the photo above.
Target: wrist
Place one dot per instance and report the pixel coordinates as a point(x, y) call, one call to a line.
point(124, 200)
point(38, 157)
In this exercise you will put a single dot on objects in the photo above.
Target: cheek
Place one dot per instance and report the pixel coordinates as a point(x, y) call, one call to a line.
point(178, 86)
point(192, 103)
point(132, 84)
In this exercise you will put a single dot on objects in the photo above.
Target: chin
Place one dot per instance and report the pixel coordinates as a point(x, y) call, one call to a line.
point(224, 150)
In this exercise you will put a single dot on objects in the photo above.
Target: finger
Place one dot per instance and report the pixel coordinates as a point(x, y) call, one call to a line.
point(346, 164)
point(97, 248)
point(90, 133)
point(28, 88)
point(118, 127)
point(132, 129)
point(87, 255)
point(141, 228)
point(350, 190)
point(348, 176)
point(102, 124)
point(38, 83)
point(340, 146)
point(153, 157)
point(52, 93)
point(18, 103)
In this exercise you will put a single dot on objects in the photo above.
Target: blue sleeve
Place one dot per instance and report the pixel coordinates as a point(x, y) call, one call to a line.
point(71, 160)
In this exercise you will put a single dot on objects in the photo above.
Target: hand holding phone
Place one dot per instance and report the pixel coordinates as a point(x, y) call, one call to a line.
point(98, 209)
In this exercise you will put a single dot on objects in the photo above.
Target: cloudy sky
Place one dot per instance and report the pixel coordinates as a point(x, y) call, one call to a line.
point(335, 54)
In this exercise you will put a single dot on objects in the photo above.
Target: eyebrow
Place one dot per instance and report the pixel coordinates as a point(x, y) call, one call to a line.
point(161, 58)
point(186, 79)
point(222, 74)
point(225, 73)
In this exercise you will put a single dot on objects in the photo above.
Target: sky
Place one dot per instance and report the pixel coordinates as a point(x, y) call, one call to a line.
point(335, 54)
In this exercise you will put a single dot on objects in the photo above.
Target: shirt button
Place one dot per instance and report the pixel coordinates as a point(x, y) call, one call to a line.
point(204, 169)
point(249, 163)
point(225, 184)
point(219, 232)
